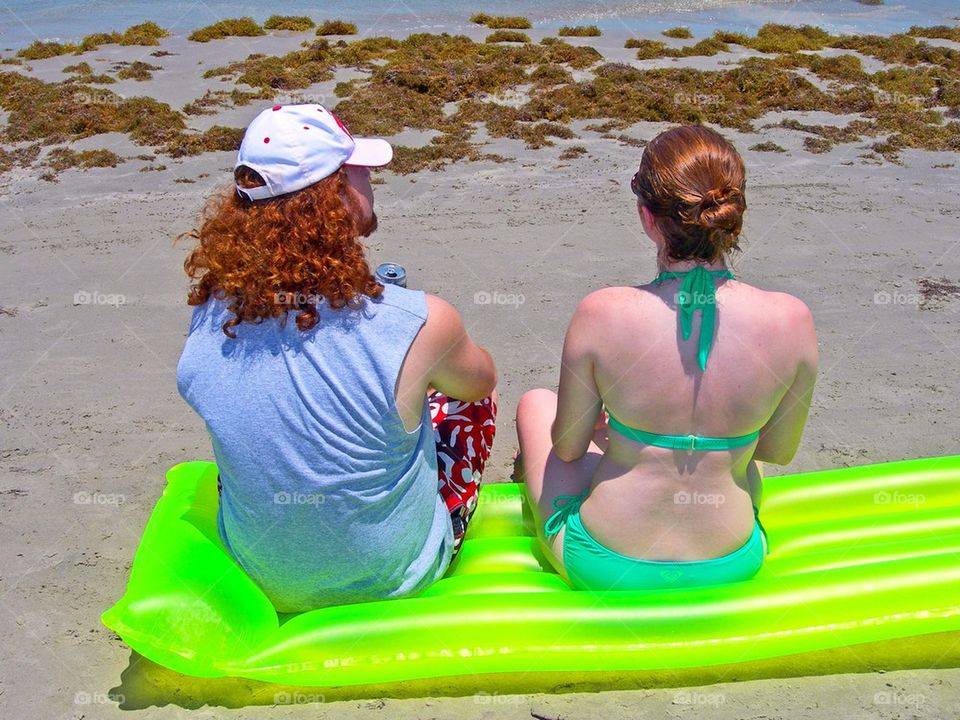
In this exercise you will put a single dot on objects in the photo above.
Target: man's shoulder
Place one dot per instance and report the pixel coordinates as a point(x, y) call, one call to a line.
point(413, 302)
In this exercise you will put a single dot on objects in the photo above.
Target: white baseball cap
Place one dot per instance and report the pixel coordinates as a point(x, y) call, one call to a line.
point(294, 146)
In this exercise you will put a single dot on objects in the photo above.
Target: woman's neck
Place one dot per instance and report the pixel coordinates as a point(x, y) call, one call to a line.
point(665, 265)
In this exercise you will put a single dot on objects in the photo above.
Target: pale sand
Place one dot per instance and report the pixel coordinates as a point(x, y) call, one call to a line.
point(90, 409)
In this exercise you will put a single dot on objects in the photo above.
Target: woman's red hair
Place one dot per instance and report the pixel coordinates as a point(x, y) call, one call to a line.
point(266, 258)
point(693, 180)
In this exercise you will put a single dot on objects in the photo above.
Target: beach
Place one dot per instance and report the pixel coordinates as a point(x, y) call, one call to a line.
point(93, 316)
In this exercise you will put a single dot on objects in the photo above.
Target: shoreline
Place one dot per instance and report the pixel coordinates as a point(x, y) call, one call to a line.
point(634, 18)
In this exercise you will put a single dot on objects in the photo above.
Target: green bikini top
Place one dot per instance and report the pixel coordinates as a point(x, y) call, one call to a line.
point(682, 442)
point(697, 292)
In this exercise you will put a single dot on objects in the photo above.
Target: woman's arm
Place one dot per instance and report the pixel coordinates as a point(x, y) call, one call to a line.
point(755, 482)
point(780, 436)
point(578, 399)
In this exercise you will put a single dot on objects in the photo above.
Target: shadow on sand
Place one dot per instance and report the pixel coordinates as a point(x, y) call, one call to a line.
point(145, 684)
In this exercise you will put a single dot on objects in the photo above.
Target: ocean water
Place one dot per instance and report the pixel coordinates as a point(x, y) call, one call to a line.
point(23, 21)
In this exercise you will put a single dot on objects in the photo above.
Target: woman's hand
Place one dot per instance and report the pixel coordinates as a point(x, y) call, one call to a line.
point(601, 430)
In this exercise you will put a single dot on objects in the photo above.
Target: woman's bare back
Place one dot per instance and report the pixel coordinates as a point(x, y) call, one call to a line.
point(658, 503)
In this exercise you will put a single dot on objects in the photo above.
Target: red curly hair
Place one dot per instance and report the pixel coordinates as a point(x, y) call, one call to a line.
point(266, 258)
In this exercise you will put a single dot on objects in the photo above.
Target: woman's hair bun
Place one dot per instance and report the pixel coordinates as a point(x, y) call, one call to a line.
point(721, 209)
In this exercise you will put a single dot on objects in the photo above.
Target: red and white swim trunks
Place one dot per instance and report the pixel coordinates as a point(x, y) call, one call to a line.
point(463, 432)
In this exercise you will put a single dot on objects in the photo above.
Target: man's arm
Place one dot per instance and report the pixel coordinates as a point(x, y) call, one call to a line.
point(460, 369)
point(442, 356)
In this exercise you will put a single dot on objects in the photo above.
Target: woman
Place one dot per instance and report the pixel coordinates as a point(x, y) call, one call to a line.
point(644, 469)
point(312, 378)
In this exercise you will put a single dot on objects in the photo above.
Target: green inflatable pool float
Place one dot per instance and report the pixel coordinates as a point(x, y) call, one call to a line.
point(860, 558)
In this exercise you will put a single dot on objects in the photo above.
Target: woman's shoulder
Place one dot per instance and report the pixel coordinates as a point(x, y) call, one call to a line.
point(772, 302)
point(611, 302)
point(775, 304)
point(604, 299)
point(599, 315)
point(783, 319)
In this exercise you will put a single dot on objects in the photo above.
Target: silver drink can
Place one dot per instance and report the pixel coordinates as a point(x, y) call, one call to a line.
point(392, 274)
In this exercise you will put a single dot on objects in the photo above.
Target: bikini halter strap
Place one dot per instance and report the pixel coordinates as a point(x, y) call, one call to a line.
point(697, 292)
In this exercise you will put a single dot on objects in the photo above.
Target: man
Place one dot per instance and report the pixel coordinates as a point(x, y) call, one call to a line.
point(330, 451)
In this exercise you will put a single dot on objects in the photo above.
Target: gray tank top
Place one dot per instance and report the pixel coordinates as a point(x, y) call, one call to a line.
point(326, 498)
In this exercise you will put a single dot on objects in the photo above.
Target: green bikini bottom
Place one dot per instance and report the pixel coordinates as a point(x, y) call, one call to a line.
point(592, 566)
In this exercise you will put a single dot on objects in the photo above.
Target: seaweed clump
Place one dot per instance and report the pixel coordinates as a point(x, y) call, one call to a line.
point(579, 31)
point(774, 38)
point(417, 79)
point(513, 36)
point(730, 98)
point(211, 99)
point(63, 158)
point(900, 49)
point(18, 157)
point(550, 74)
point(217, 138)
point(501, 22)
point(767, 147)
point(296, 23)
point(440, 152)
point(364, 54)
point(679, 32)
point(337, 27)
point(942, 32)
point(534, 135)
point(40, 50)
point(817, 145)
point(707, 46)
point(573, 152)
point(232, 27)
point(137, 70)
point(846, 68)
point(935, 292)
point(146, 33)
point(73, 110)
point(293, 71)
point(84, 74)
point(647, 49)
